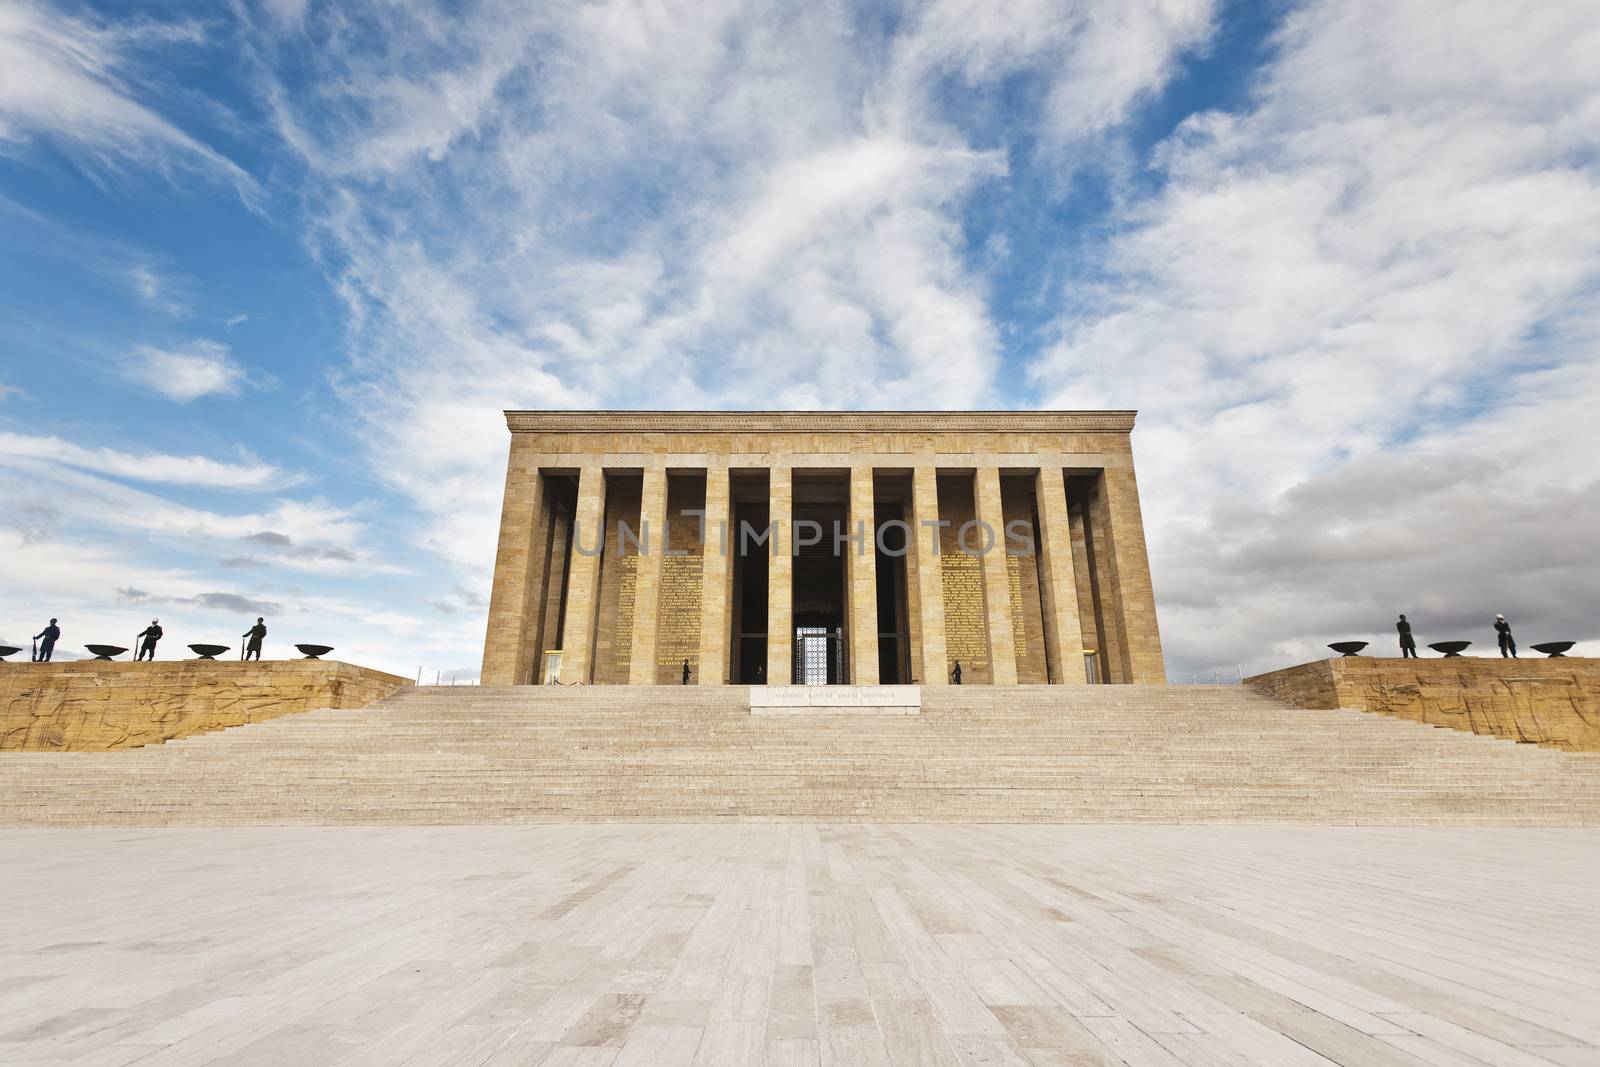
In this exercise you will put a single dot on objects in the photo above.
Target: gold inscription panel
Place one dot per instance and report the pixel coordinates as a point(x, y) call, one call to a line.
point(966, 624)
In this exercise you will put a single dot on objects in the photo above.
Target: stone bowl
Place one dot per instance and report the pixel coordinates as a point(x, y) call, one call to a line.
point(105, 651)
point(1553, 649)
point(7, 650)
point(1348, 648)
point(315, 651)
point(209, 651)
point(1449, 648)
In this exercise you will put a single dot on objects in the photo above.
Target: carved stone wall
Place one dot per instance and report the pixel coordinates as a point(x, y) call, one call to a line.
point(619, 567)
point(1554, 702)
point(678, 628)
point(94, 706)
point(966, 612)
point(1022, 574)
point(965, 627)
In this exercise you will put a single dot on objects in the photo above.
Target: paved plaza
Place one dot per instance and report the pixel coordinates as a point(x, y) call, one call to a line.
point(786, 943)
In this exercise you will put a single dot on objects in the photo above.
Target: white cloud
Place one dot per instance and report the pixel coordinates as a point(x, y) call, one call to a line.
point(705, 204)
point(1358, 316)
point(144, 281)
point(61, 496)
point(152, 285)
point(202, 471)
point(199, 368)
point(1098, 59)
point(102, 592)
point(287, 14)
point(1359, 323)
point(71, 80)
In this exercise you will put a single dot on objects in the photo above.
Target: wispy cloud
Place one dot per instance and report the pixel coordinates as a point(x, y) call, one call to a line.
point(287, 14)
point(70, 497)
point(285, 546)
point(154, 287)
point(228, 603)
point(187, 372)
point(722, 206)
point(1356, 307)
point(71, 80)
point(99, 593)
point(1360, 322)
point(250, 474)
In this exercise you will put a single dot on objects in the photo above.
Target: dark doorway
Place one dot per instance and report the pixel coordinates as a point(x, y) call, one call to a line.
point(818, 655)
point(750, 560)
point(894, 637)
point(821, 643)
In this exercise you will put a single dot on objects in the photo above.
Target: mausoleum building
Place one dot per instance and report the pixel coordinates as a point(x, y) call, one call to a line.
point(821, 547)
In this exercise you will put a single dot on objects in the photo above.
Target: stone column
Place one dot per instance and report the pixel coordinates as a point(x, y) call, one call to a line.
point(583, 586)
point(716, 579)
point(780, 577)
point(1063, 634)
point(929, 575)
point(996, 582)
point(1129, 566)
point(1083, 570)
point(647, 577)
point(515, 597)
point(861, 581)
point(557, 559)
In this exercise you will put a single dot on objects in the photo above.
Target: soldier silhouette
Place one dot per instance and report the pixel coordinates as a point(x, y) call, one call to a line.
point(1408, 644)
point(1508, 644)
point(685, 672)
point(253, 643)
point(955, 675)
point(49, 635)
point(149, 636)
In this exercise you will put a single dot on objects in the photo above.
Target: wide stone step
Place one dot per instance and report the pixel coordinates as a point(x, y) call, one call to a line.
point(1084, 754)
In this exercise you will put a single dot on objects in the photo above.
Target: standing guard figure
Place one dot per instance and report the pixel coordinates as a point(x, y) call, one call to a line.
point(149, 636)
point(254, 636)
point(685, 672)
point(50, 635)
point(1508, 644)
point(955, 675)
point(1408, 644)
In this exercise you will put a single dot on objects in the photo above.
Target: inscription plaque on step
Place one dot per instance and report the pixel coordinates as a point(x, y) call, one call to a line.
point(836, 699)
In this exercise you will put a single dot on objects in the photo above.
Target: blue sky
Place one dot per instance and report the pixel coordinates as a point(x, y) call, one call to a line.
point(269, 271)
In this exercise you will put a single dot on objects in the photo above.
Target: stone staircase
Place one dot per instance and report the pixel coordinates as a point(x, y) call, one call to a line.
point(975, 754)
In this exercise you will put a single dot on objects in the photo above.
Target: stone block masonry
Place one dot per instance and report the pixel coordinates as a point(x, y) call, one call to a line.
point(585, 488)
point(95, 706)
point(1552, 702)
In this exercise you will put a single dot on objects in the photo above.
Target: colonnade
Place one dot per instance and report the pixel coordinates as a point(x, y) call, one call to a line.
point(1085, 581)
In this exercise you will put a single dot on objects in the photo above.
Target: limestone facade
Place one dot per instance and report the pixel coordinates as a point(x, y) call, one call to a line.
point(1553, 702)
point(96, 706)
point(807, 547)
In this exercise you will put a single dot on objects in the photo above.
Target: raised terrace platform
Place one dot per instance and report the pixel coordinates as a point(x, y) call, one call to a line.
point(1086, 754)
point(98, 706)
point(1554, 702)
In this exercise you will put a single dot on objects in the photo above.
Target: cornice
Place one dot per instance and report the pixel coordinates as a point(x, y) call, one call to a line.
point(700, 422)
